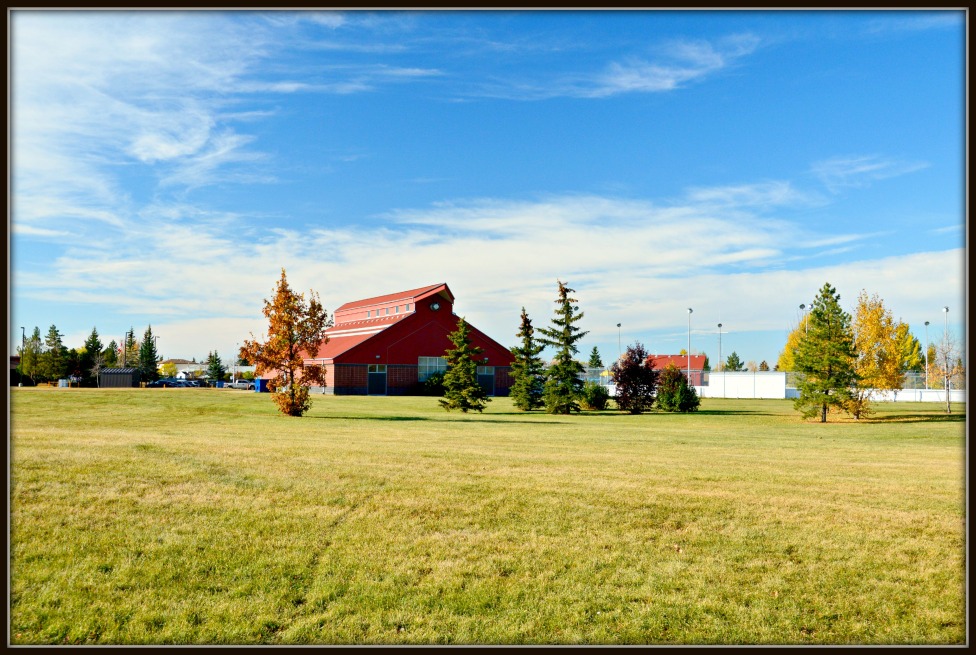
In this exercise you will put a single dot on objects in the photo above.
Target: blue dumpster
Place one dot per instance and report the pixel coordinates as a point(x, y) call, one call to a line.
point(261, 385)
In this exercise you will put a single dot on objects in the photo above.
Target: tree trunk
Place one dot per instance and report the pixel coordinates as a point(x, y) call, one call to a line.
point(823, 413)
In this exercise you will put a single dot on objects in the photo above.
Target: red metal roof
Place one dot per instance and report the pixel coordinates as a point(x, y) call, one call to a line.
point(411, 295)
point(660, 362)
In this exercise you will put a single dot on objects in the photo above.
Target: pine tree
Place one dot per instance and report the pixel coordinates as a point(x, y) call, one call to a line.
point(296, 331)
point(215, 368)
point(595, 360)
point(461, 388)
point(733, 363)
point(148, 358)
point(528, 370)
point(53, 360)
point(635, 380)
point(130, 350)
point(563, 384)
point(91, 359)
point(826, 357)
point(763, 366)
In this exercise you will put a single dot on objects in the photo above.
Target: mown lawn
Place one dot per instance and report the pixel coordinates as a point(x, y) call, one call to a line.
point(199, 516)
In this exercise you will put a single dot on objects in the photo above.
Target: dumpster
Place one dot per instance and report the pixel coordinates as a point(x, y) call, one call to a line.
point(220, 384)
point(261, 385)
point(62, 383)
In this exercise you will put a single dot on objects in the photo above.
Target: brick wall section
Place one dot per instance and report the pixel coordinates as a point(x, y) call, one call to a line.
point(401, 380)
point(503, 380)
point(350, 379)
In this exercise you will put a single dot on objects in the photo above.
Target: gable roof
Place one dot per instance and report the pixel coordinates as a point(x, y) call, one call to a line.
point(406, 296)
point(660, 362)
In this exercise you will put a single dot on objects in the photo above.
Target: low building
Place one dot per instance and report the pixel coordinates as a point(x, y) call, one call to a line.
point(118, 377)
point(695, 371)
point(391, 344)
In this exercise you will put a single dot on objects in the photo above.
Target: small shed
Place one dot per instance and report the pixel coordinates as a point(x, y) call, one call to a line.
point(118, 377)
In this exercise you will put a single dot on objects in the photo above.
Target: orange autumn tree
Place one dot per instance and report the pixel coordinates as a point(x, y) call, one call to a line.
point(296, 329)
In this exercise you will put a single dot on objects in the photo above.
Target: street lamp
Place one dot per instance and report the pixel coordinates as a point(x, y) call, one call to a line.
point(720, 357)
point(689, 345)
point(802, 308)
point(619, 351)
point(945, 354)
point(237, 353)
point(23, 347)
point(926, 354)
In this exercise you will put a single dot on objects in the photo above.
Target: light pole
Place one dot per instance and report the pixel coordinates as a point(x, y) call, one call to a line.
point(945, 355)
point(23, 347)
point(236, 354)
point(720, 357)
point(802, 308)
point(619, 351)
point(926, 354)
point(689, 345)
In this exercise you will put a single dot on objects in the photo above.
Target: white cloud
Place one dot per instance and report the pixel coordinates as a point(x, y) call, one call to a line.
point(861, 170)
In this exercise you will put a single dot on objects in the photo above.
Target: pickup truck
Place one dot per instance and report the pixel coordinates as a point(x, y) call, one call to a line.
point(240, 384)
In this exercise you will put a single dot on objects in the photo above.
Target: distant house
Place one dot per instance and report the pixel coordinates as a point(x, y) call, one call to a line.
point(696, 377)
point(390, 344)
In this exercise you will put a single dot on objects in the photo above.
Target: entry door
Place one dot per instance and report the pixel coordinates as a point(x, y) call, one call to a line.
point(376, 380)
point(486, 378)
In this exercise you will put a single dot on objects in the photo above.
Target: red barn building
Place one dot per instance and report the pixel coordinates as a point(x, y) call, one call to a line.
point(389, 345)
point(660, 362)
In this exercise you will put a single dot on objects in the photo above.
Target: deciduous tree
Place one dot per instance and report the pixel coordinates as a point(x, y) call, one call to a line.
point(30, 357)
point(786, 360)
point(296, 330)
point(825, 356)
point(563, 384)
point(461, 388)
point(528, 369)
point(634, 379)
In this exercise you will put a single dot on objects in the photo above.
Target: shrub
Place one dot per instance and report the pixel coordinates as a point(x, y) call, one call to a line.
point(674, 394)
point(635, 380)
point(433, 385)
point(594, 396)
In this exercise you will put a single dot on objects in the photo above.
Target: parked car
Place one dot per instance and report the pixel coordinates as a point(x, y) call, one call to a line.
point(240, 384)
point(163, 382)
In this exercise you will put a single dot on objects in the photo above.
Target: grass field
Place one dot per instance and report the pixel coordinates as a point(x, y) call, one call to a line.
point(197, 516)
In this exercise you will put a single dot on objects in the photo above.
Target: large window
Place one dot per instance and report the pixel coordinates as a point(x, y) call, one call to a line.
point(427, 366)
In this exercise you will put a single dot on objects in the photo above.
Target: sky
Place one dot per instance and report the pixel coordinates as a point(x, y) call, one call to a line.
point(165, 166)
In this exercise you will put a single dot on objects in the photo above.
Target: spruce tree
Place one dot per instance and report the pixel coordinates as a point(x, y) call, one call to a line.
point(461, 388)
point(564, 383)
point(826, 357)
point(111, 355)
point(53, 360)
point(733, 363)
point(528, 370)
point(148, 358)
point(595, 360)
point(674, 394)
point(130, 350)
point(91, 359)
point(215, 368)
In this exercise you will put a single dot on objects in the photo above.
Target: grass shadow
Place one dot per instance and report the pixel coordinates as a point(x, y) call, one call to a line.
point(918, 418)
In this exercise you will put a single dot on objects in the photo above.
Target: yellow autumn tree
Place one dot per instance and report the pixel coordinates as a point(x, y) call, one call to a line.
point(787, 358)
point(296, 330)
point(880, 363)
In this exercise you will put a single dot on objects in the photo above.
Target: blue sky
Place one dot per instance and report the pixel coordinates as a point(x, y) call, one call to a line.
point(166, 165)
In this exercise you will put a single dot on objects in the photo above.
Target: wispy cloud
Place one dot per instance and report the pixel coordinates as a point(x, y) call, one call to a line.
point(853, 171)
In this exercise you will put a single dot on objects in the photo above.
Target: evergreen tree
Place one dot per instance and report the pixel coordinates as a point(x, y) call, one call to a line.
point(130, 350)
point(461, 388)
point(72, 362)
point(30, 357)
point(91, 354)
point(110, 356)
point(635, 380)
point(215, 368)
point(826, 357)
point(674, 394)
point(53, 360)
point(733, 363)
point(296, 331)
point(528, 370)
point(148, 358)
point(595, 360)
point(763, 366)
point(563, 384)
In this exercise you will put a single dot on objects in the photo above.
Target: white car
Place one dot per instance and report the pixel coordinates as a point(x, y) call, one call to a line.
point(240, 384)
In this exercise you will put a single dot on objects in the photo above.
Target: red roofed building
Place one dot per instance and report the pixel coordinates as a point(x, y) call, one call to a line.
point(389, 345)
point(660, 362)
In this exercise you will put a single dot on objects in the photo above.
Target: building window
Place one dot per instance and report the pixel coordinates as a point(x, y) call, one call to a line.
point(377, 368)
point(427, 366)
point(396, 310)
point(387, 311)
point(486, 370)
point(368, 313)
point(408, 307)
